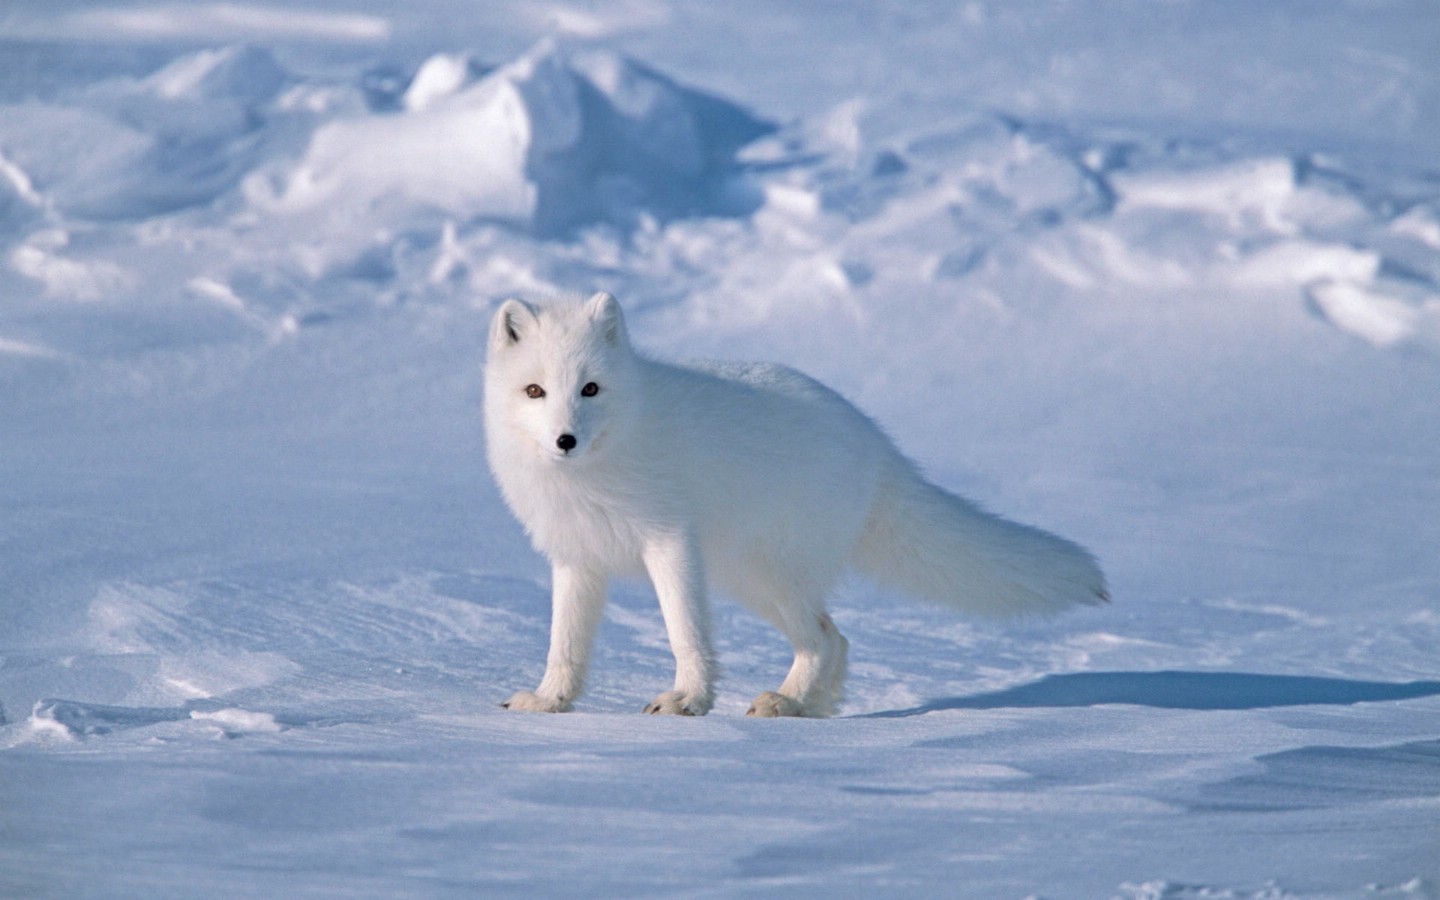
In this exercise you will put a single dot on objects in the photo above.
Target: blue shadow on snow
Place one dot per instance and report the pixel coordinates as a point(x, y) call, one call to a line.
point(1178, 690)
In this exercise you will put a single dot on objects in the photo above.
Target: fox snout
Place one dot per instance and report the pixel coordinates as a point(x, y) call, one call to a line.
point(566, 442)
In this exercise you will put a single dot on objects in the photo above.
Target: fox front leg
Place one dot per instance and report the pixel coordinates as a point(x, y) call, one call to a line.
point(677, 574)
point(578, 598)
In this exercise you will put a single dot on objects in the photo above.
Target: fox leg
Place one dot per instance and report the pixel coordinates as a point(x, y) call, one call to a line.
point(816, 681)
point(577, 599)
point(675, 569)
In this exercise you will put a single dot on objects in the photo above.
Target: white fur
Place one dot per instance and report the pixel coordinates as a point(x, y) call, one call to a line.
point(750, 478)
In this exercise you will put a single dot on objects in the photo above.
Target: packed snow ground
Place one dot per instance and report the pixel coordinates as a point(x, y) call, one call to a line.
point(1163, 278)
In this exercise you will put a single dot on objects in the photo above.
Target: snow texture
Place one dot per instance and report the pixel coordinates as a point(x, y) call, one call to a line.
point(1162, 278)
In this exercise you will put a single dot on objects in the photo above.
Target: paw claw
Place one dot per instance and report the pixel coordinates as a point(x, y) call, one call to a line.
point(678, 703)
point(528, 701)
point(770, 705)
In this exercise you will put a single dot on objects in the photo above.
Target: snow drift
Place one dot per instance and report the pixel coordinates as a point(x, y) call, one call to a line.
point(132, 149)
point(548, 142)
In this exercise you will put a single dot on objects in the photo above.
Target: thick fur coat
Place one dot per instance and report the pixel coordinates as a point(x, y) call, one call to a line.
point(752, 479)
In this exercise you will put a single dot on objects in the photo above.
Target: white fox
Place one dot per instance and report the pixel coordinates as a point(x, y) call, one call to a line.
point(751, 478)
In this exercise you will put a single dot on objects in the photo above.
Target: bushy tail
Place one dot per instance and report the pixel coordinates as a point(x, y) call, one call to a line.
point(941, 547)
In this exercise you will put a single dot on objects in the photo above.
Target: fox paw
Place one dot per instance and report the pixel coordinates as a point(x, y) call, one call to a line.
point(528, 701)
point(678, 703)
point(770, 705)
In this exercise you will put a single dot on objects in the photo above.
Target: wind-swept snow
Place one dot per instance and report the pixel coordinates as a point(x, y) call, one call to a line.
point(1162, 278)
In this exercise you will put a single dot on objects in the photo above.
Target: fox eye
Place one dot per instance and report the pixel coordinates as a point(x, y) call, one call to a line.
point(590, 389)
point(534, 392)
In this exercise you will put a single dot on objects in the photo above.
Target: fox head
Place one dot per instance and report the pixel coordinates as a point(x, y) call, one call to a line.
point(558, 379)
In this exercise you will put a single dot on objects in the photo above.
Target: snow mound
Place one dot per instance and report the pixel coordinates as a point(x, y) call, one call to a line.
point(852, 223)
point(1378, 316)
point(69, 720)
point(440, 76)
point(131, 149)
point(20, 205)
point(230, 74)
point(1305, 223)
point(554, 140)
point(231, 722)
point(1257, 194)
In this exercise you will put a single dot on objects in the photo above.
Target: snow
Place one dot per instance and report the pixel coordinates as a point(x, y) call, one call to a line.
point(1164, 278)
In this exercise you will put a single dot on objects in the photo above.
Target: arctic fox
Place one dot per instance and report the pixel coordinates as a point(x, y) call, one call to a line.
point(751, 478)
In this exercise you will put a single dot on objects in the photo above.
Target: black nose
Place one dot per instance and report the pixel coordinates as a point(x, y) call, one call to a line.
point(565, 442)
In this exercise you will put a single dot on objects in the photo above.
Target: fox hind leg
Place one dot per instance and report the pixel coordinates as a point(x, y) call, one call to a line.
point(815, 684)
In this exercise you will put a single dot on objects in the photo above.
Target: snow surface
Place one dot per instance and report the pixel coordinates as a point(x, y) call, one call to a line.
point(1162, 277)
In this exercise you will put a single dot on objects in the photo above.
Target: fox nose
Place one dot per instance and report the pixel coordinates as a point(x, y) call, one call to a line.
point(566, 442)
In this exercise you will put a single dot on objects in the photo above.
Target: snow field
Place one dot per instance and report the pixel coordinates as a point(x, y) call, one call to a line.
point(260, 602)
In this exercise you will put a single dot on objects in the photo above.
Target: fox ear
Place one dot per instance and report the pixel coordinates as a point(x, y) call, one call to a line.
point(512, 320)
point(605, 311)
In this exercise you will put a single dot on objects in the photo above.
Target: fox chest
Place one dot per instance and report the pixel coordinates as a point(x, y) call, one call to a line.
point(579, 523)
